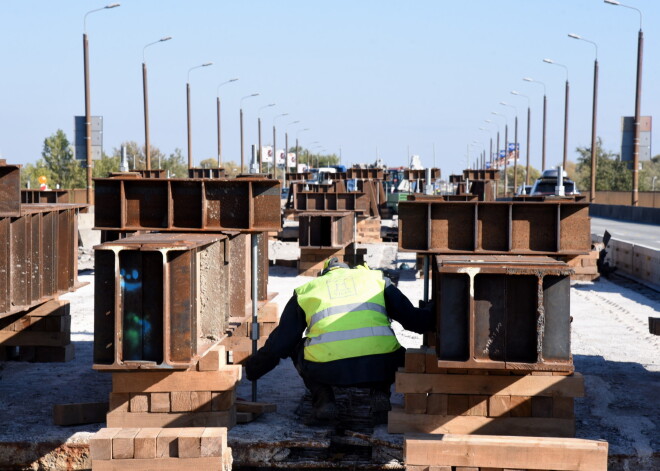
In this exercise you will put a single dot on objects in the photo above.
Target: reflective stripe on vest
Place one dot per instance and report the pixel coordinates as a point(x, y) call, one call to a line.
point(346, 315)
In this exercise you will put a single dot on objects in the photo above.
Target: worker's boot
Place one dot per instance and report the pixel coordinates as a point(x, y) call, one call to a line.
point(380, 406)
point(323, 404)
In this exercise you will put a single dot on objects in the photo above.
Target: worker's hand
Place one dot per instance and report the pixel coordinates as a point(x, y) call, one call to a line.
point(258, 365)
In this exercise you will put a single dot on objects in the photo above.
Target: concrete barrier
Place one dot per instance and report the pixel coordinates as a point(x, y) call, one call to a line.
point(626, 213)
point(636, 261)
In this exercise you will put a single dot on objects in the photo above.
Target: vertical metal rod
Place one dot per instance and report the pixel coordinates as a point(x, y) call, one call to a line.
point(219, 135)
point(638, 103)
point(426, 278)
point(242, 154)
point(260, 157)
point(190, 160)
point(88, 121)
point(594, 150)
point(566, 125)
point(275, 156)
point(515, 158)
point(147, 143)
point(529, 115)
point(506, 157)
point(286, 156)
point(255, 284)
point(545, 109)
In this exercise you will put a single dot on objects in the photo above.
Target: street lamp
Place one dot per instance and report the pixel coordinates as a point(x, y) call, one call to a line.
point(190, 159)
point(513, 92)
point(147, 143)
point(275, 150)
point(88, 106)
point(270, 105)
point(242, 152)
point(483, 161)
point(592, 193)
point(638, 104)
point(545, 107)
point(506, 144)
point(550, 61)
point(218, 112)
point(515, 149)
point(286, 146)
point(299, 131)
point(497, 148)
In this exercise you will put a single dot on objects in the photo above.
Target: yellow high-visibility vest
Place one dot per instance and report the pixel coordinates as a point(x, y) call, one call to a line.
point(346, 316)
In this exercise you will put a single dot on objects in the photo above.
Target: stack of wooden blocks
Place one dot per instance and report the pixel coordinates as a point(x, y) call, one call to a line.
point(584, 266)
point(162, 449)
point(203, 396)
point(312, 260)
point(488, 402)
point(41, 334)
point(368, 230)
point(239, 342)
point(501, 453)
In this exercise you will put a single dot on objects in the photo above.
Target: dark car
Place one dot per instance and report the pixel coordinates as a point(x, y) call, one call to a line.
point(547, 184)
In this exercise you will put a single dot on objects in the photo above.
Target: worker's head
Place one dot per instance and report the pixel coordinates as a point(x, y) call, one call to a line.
point(331, 264)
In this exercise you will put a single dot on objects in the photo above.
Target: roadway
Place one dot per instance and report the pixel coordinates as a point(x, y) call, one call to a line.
point(642, 234)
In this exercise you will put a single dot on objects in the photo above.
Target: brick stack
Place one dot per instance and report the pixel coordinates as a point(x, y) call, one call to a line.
point(487, 402)
point(41, 334)
point(501, 453)
point(203, 396)
point(311, 260)
point(368, 230)
point(163, 449)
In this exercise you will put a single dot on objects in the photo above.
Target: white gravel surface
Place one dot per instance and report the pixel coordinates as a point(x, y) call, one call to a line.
point(610, 342)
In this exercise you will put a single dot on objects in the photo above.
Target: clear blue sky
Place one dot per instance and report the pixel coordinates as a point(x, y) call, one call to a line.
point(361, 75)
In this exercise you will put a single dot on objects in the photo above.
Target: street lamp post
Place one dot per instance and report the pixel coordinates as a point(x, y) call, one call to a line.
point(241, 107)
point(515, 148)
point(545, 107)
point(550, 61)
point(147, 143)
point(286, 146)
point(190, 158)
point(638, 103)
point(594, 154)
point(218, 113)
point(529, 112)
point(88, 106)
point(497, 147)
point(506, 146)
point(259, 134)
point(299, 131)
point(275, 150)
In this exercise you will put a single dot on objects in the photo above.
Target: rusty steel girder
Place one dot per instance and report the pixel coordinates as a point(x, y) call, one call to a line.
point(502, 312)
point(299, 176)
point(326, 230)
point(456, 179)
point(365, 173)
point(38, 255)
point(484, 190)
point(10, 189)
point(551, 227)
point(207, 173)
point(481, 174)
point(349, 201)
point(187, 205)
point(420, 174)
point(160, 300)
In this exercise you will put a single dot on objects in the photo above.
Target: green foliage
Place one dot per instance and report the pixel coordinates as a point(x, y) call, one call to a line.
point(105, 166)
point(534, 174)
point(57, 165)
point(611, 173)
point(315, 160)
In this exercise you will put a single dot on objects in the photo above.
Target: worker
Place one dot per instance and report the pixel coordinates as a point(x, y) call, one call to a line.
point(345, 316)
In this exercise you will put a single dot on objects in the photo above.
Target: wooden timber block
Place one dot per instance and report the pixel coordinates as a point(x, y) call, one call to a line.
point(211, 463)
point(169, 381)
point(415, 360)
point(123, 443)
point(654, 325)
point(100, 444)
point(54, 354)
point(145, 443)
point(223, 400)
point(415, 403)
point(213, 441)
point(400, 422)
point(167, 443)
point(269, 312)
point(160, 402)
point(505, 452)
point(29, 338)
point(138, 402)
point(189, 445)
point(214, 359)
point(255, 407)
point(527, 385)
point(120, 419)
point(80, 413)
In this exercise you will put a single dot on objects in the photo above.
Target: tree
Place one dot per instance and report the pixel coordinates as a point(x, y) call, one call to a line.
point(105, 166)
point(611, 173)
point(534, 174)
point(57, 165)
